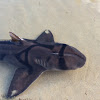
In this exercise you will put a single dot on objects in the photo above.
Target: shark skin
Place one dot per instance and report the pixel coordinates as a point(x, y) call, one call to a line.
point(33, 57)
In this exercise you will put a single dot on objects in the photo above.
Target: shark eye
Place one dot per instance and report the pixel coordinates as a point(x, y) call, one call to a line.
point(54, 52)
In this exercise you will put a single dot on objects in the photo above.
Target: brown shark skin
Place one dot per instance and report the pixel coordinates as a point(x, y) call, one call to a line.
point(33, 57)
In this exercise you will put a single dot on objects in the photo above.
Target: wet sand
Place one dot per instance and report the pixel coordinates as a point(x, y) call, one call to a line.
point(74, 22)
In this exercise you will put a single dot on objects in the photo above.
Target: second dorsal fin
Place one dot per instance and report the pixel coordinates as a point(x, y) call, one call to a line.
point(45, 38)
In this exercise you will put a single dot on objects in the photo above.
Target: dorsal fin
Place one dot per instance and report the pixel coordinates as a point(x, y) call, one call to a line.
point(46, 38)
point(14, 37)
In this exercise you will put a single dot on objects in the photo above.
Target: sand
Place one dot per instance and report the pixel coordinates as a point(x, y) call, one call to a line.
point(74, 22)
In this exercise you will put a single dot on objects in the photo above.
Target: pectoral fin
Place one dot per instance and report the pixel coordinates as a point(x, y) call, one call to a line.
point(22, 79)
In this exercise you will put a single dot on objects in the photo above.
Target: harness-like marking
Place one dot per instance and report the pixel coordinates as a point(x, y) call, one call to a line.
point(61, 58)
point(26, 51)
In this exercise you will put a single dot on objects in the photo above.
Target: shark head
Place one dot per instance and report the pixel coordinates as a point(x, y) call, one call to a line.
point(68, 57)
point(63, 56)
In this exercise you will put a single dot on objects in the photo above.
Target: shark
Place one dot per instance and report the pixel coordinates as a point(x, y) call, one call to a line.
point(33, 57)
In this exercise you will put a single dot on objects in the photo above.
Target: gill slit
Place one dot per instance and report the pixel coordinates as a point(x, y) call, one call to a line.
point(26, 51)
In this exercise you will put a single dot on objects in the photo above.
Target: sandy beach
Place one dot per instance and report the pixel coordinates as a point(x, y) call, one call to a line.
point(74, 22)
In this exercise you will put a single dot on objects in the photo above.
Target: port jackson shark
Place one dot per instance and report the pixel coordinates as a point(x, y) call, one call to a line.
point(33, 57)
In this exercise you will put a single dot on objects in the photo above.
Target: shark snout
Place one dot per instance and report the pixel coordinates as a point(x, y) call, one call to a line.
point(81, 61)
point(82, 58)
point(74, 58)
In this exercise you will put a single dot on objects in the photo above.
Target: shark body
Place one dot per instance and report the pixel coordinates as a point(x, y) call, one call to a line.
point(33, 57)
